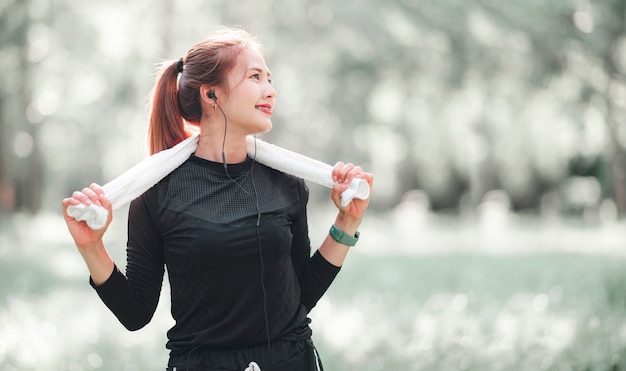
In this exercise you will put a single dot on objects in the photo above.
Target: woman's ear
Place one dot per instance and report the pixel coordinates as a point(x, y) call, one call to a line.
point(207, 93)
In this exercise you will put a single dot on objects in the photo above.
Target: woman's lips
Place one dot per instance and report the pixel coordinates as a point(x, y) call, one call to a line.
point(265, 108)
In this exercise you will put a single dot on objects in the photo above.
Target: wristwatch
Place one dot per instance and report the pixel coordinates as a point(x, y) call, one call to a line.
point(342, 237)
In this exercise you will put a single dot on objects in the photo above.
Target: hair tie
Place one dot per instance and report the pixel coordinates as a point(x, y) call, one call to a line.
point(179, 65)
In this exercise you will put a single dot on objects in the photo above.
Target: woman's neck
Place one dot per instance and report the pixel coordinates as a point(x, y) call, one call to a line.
point(212, 147)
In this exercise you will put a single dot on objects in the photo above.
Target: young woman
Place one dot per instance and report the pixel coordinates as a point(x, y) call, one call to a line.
point(232, 232)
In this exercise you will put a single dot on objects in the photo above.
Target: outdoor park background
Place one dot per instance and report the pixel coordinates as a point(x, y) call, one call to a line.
point(496, 131)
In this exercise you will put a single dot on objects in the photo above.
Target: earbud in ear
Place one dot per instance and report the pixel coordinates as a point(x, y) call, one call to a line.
point(211, 95)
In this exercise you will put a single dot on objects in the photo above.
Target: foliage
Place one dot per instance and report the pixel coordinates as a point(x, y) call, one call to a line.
point(454, 98)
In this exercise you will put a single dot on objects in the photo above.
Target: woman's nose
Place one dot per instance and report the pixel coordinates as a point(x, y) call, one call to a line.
point(270, 91)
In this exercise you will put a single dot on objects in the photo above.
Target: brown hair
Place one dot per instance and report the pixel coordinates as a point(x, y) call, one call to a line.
point(175, 103)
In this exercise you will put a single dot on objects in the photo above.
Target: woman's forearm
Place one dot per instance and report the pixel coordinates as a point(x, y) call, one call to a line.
point(334, 252)
point(99, 262)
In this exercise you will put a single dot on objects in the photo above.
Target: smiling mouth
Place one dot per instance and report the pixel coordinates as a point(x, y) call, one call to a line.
point(264, 108)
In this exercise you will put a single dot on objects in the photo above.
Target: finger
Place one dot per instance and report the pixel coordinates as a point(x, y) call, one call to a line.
point(67, 202)
point(335, 195)
point(336, 170)
point(92, 196)
point(70, 201)
point(106, 203)
point(81, 197)
point(343, 173)
point(354, 173)
point(97, 189)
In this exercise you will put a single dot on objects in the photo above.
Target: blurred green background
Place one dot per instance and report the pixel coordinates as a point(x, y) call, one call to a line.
point(496, 131)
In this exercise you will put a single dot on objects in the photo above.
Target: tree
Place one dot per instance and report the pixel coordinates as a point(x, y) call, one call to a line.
point(20, 160)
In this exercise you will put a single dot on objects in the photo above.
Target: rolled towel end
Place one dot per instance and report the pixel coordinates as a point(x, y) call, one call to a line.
point(359, 188)
point(95, 216)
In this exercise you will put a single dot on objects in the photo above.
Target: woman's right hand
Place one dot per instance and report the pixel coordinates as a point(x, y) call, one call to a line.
point(83, 236)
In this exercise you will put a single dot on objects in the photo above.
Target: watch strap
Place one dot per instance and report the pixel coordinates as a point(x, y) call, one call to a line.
point(342, 237)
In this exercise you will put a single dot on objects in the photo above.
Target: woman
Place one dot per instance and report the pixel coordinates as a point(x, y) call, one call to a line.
point(232, 233)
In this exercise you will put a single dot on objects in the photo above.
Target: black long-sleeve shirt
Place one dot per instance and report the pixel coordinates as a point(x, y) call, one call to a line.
point(227, 266)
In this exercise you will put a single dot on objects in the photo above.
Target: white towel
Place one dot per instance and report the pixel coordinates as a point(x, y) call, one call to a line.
point(148, 172)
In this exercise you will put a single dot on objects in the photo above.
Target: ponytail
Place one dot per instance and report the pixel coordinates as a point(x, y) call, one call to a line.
point(167, 126)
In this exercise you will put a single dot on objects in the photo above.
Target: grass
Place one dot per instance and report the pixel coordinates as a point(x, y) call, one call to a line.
point(477, 312)
point(397, 309)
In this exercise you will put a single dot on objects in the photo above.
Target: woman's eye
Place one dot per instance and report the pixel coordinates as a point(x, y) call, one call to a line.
point(256, 76)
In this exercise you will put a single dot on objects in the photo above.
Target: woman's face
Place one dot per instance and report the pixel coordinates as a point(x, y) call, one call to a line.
point(249, 103)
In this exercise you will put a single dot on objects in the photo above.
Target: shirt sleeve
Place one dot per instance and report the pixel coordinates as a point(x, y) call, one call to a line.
point(133, 297)
point(315, 273)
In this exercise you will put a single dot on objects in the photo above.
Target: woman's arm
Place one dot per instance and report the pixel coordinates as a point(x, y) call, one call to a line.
point(133, 300)
point(349, 217)
point(317, 272)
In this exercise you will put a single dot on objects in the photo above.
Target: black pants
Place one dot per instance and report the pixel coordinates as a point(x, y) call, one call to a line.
point(280, 356)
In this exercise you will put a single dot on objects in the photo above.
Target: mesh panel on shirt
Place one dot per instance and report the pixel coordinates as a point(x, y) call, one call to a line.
point(209, 189)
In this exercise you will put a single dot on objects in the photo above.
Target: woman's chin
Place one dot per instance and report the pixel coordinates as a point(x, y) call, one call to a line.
point(264, 128)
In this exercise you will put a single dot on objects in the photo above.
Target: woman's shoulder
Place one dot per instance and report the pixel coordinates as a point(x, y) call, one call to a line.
point(282, 177)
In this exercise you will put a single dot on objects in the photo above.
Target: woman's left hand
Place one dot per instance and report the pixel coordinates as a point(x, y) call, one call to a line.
point(342, 176)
